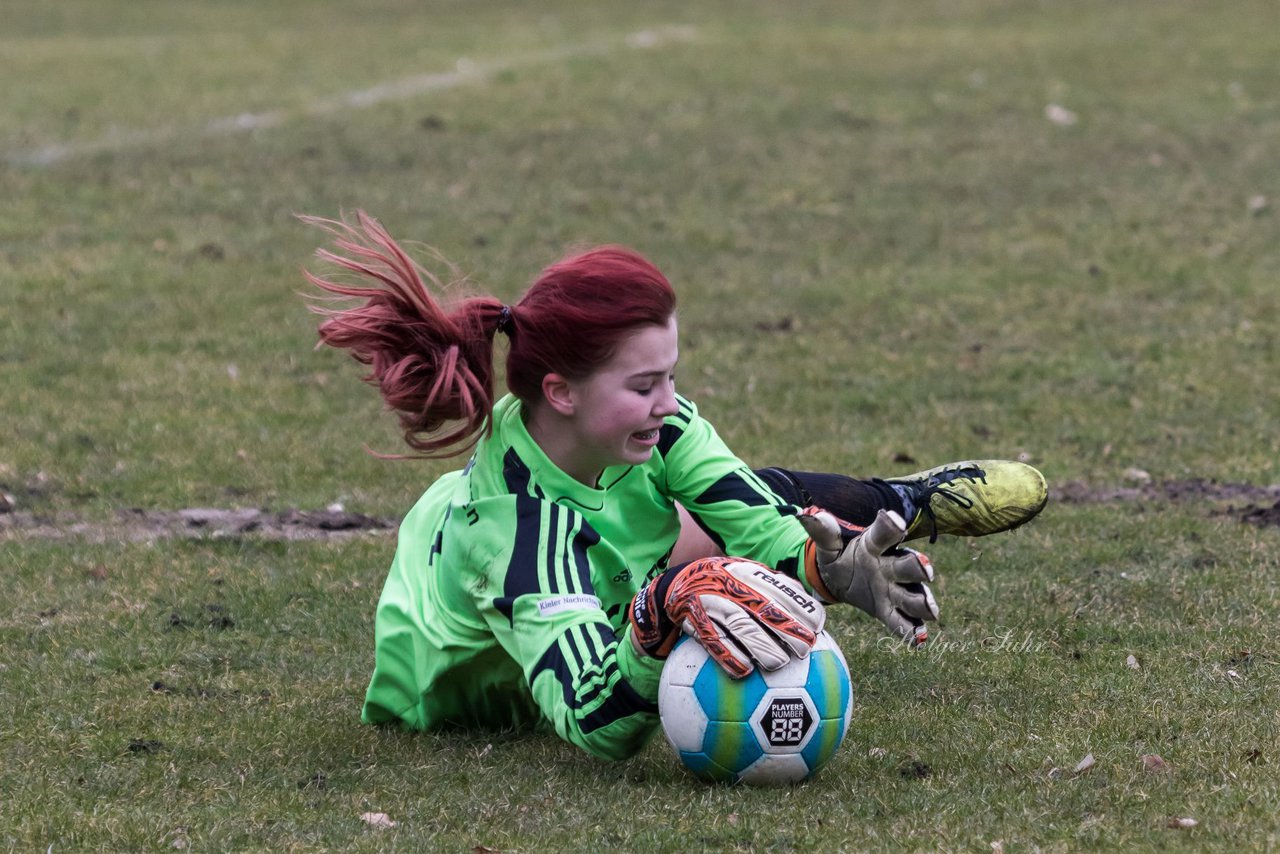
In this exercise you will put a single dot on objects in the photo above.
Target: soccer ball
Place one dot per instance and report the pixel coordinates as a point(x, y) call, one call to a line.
point(765, 729)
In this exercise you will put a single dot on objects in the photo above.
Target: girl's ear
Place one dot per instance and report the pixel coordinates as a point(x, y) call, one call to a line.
point(558, 393)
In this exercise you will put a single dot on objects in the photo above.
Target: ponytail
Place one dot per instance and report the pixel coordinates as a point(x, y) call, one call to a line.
point(432, 363)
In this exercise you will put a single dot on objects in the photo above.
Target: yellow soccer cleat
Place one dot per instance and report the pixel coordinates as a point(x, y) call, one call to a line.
point(971, 499)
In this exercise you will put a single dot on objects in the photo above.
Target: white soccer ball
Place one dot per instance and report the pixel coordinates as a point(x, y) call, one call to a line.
point(766, 729)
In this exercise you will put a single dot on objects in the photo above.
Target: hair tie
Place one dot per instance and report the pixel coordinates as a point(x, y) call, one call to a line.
point(506, 321)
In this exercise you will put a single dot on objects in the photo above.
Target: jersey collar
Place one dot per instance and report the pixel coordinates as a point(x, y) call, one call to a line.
point(554, 482)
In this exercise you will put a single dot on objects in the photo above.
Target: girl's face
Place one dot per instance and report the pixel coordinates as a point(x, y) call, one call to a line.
point(618, 409)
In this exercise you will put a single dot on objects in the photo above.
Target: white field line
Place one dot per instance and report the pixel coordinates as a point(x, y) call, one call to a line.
point(465, 72)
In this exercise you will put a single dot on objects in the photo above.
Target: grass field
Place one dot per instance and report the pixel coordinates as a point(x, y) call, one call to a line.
point(901, 233)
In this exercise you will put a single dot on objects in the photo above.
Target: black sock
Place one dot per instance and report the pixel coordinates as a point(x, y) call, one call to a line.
point(855, 501)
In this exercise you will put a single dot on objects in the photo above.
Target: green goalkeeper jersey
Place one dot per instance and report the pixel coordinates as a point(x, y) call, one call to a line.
point(505, 605)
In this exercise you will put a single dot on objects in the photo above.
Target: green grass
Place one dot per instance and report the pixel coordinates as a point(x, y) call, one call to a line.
point(962, 277)
point(243, 735)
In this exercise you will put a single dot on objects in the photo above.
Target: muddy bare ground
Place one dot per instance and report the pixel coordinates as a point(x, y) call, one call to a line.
point(1256, 505)
point(135, 525)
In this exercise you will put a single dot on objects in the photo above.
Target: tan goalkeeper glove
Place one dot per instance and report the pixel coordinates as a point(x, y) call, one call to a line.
point(741, 612)
point(867, 568)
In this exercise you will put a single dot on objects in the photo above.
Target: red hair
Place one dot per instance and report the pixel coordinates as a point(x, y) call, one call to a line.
point(433, 362)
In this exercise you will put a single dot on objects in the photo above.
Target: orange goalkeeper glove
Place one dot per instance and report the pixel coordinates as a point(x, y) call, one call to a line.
point(742, 612)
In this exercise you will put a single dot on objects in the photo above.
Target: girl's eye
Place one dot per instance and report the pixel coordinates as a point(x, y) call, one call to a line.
point(647, 390)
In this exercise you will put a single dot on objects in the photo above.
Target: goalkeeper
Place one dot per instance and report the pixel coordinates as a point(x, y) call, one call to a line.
point(544, 583)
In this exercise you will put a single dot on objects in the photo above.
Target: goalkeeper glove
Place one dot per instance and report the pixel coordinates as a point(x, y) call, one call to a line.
point(741, 612)
point(868, 569)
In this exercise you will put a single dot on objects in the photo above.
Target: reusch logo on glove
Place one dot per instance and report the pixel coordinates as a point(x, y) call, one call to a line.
point(799, 598)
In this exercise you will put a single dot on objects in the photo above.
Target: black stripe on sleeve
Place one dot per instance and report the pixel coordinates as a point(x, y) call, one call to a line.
point(522, 569)
point(598, 639)
point(622, 703)
point(572, 656)
point(583, 539)
point(553, 659)
point(735, 486)
point(667, 436)
point(552, 551)
point(671, 431)
point(563, 659)
point(589, 690)
point(592, 641)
